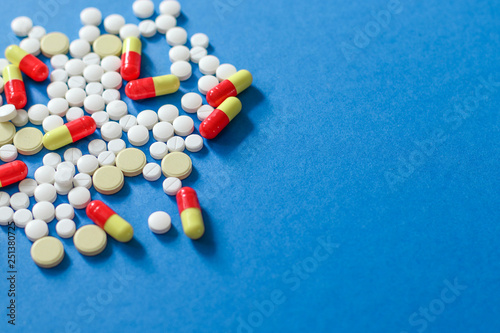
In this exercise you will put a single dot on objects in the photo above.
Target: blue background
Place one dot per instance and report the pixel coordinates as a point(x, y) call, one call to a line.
point(328, 149)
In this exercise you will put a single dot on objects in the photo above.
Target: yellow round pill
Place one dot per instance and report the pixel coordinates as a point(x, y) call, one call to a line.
point(28, 141)
point(90, 240)
point(176, 165)
point(47, 252)
point(131, 161)
point(108, 180)
point(7, 132)
point(107, 45)
point(54, 43)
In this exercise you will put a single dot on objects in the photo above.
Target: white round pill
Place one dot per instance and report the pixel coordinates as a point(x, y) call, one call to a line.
point(147, 118)
point(82, 180)
point(106, 158)
point(143, 8)
point(130, 30)
point(116, 146)
point(36, 229)
point(111, 95)
point(64, 177)
point(79, 48)
point(168, 113)
point(66, 228)
point(165, 22)
point(21, 118)
point(21, 26)
point(52, 160)
point(111, 80)
point(191, 102)
point(95, 88)
point(75, 66)
point(179, 53)
point(59, 75)
point(75, 97)
point(59, 61)
point(4, 199)
point(113, 23)
point(31, 46)
point(209, 64)
point(176, 143)
point(182, 69)
point(158, 150)
point(57, 89)
point(163, 131)
point(67, 165)
point(52, 122)
point(100, 118)
point(117, 110)
point(127, 122)
point(93, 73)
point(197, 53)
point(58, 106)
point(45, 192)
point(170, 7)
point(65, 211)
point(91, 15)
point(22, 217)
point(74, 113)
point(89, 33)
point(77, 81)
point(37, 32)
point(45, 174)
point(79, 197)
point(87, 164)
point(37, 113)
point(96, 147)
point(44, 211)
point(199, 39)
point(225, 71)
point(19, 200)
point(183, 125)
point(6, 215)
point(111, 63)
point(8, 153)
point(176, 36)
point(27, 186)
point(204, 111)
point(207, 83)
point(62, 189)
point(172, 185)
point(94, 103)
point(159, 222)
point(147, 28)
point(92, 59)
point(72, 155)
point(138, 135)
point(194, 143)
point(111, 130)
point(151, 172)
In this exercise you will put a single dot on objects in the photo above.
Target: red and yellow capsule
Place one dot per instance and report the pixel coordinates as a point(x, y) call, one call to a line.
point(189, 208)
point(131, 58)
point(68, 133)
point(27, 63)
point(220, 117)
point(15, 92)
point(112, 223)
point(152, 87)
point(12, 172)
point(233, 86)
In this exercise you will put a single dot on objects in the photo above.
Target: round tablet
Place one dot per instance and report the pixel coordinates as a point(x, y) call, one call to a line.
point(95, 88)
point(45, 174)
point(111, 130)
point(4, 199)
point(224, 71)
point(6, 215)
point(94, 103)
point(37, 113)
point(59, 75)
point(111, 80)
point(183, 125)
point(176, 144)
point(143, 9)
point(66, 228)
point(176, 36)
point(72, 155)
point(54, 43)
point(116, 146)
point(79, 48)
point(147, 118)
point(64, 179)
point(92, 59)
point(158, 150)
point(63, 189)
point(37, 32)
point(74, 67)
point(176, 165)
point(197, 53)
point(111, 63)
point(106, 158)
point(44, 211)
point(107, 45)
point(204, 111)
point(74, 113)
point(127, 122)
point(117, 110)
point(75, 97)
point(8, 153)
point(66, 165)
point(21, 119)
point(59, 61)
point(168, 113)
point(163, 131)
point(165, 22)
point(97, 146)
point(130, 30)
point(58, 106)
point(93, 73)
point(90, 240)
point(28, 186)
point(182, 69)
point(87, 164)
point(191, 102)
point(31, 46)
point(21, 26)
point(209, 64)
point(19, 200)
point(199, 39)
point(57, 89)
point(82, 180)
point(108, 180)
point(100, 118)
point(65, 211)
point(178, 53)
point(45, 192)
point(206, 83)
point(22, 217)
point(131, 161)
point(7, 132)
point(172, 185)
point(91, 15)
point(147, 28)
point(159, 222)
point(52, 122)
point(151, 172)
point(194, 143)
point(170, 7)
point(89, 33)
point(52, 160)
point(28, 141)
point(36, 229)
point(79, 197)
point(113, 23)
point(47, 252)
point(138, 135)
point(111, 95)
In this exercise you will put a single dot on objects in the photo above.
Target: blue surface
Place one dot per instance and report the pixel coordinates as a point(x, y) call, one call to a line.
point(357, 186)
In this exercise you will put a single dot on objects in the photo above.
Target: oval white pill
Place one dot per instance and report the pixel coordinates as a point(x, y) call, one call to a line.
point(106, 158)
point(19, 200)
point(21, 26)
point(111, 130)
point(147, 118)
point(197, 53)
point(224, 71)
point(37, 32)
point(116, 146)
point(183, 125)
point(45, 174)
point(77, 82)
point(75, 67)
point(22, 217)
point(65, 211)
point(57, 89)
point(163, 131)
point(91, 15)
point(209, 64)
point(113, 23)
point(4, 199)
point(93, 73)
point(79, 48)
point(130, 30)
point(176, 144)
point(204, 111)
point(151, 172)
point(58, 106)
point(59, 75)
point(66, 228)
point(45, 192)
point(52, 160)
point(21, 118)
point(52, 122)
point(92, 59)
point(191, 102)
point(111, 63)
point(147, 28)
point(143, 8)
point(95, 88)
point(100, 118)
point(59, 61)
point(138, 135)
point(6, 215)
point(200, 39)
point(111, 95)
point(79, 197)
point(178, 53)
point(37, 113)
point(182, 69)
point(194, 143)
point(66, 165)
point(76, 97)
point(158, 150)
point(170, 7)
point(27, 186)
point(89, 33)
point(117, 110)
point(62, 189)
point(94, 103)
point(36, 229)
point(111, 80)
point(82, 180)
point(64, 178)
point(74, 113)
point(44, 211)
point(206, 83)
point(165, 22)
point(168, 113)
point(172, 185)
point(176, 36)
point(8, 153)
point(127, 122)
point(31, 46)
point(159, 222)
point(87, 164)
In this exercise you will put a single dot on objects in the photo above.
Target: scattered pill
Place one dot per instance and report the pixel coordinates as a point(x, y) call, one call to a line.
point(27, 63)
point(79, 48)
point(183, 125)
point(51, 160)
point(194, 143)
point(87, 164)
point(54, 43)
point(191, 102)
point(112, 223)
point(225, 71)
point(94, 103)
point(7, 133)
point(21, 26)
point(66, 228)
point(22, 217)
point(64, 179)
point(21, 118)
point(62, 189)
point(79, 197)
point(151, 172)
point(131, 58)
point(6, 215)
point(31, 46)
point(147, 28)
point(111, 130)
point(176, 144)
point(182, 69)
point(65, 211)
point(170, 7)
point(82, 180)
point(37, 32)
point(163, 131)
point(116, 146)
point(44, 210)
point(8, 153)
point(47, 252)
point(168, 113)
point(57, 89)
point(113, 23)
point(231, 87)
point(19, 200)
point(100, 118)
point(204, 111)
point(15, 92)
point(28, 141)
point(58, 106)
point(176, 36)
point(158, 150)
point(207, 83)
point(72, 155)
point(138, 135)
point(74, 113)
point(92, 59)
point(111, 63)
point(197, 53)
point(152, 87)
point(90, 240)
point(159, 222)
point(131, 161)
point(59, 75)
point(59, 61)
point(108, 180)
point(74, 67)
point(129, 30)
point(36, 229)
point(143, 9)
point(89, 33)
point(111, 95)
point(199, 39)
point(45, 174)
point(127, 122)
point(45, 192)
point(220, 117)
point(37, 113)
point(91, 16)
point(107, 45)
point(117, 110)
point(93, 73)
point(106, 158)
point(4, 199)
point(178, 53)
point(111, 80)
point(147, 118)
point(165, 22)
point(95, 88)
point(190, 211)
point(172, 185)
point(68, 133)
point(28, 186)
point(67, 165)
point(176, 164)
point(52, 122)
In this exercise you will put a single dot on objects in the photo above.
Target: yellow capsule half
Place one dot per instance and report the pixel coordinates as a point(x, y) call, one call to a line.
point(192, 223)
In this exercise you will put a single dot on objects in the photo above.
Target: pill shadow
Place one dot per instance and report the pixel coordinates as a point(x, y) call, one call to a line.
point(59, 269)
point(182, 19)
point(206, 245)
point(133, 249)
point(193, 177)
point(101, 257)
point(168, 237)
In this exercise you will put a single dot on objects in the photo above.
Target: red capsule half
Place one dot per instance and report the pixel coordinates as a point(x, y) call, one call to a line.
point(231, 87)
point(12, 172)
point(131, 59)
point(15, 92)
point(27, 63)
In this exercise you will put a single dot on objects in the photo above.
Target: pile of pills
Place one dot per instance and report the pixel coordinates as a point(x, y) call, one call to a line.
point(86, 76)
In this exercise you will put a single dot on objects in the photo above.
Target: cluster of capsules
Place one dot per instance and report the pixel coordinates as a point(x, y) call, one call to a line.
point(98, 71)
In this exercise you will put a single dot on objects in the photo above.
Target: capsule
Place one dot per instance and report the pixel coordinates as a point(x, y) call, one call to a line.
point(12, 172)
point(68, 133)
point(131, 58)
point(15, 92)
point(27, 63)
point(189, 208)
point(112, 223)
point(233, 86)
point(220, 117)
point(152, 87)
